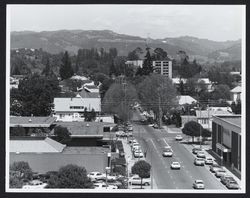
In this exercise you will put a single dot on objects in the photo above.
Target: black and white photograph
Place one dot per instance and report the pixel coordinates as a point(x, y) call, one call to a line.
point(131, 98)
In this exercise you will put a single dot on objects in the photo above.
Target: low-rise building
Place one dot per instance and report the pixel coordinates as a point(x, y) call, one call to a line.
point(205, 117)
point(45, 154)
point(236, 94)
point(186, 99)
point(226, 139)
point(134, 63)
point(72, 109)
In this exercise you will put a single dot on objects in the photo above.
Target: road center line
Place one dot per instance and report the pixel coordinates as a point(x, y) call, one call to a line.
point(154, 144)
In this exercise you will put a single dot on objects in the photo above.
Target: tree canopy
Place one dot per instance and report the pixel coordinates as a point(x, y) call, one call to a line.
point(34, 96)
point(62, 134)
point(118, 99)
point(66, 70)
point(157, 90)
point(192, 129)
point(70, 176)
point(141, 168)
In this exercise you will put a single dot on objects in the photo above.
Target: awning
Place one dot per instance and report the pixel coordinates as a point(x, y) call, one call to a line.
point(223, 148)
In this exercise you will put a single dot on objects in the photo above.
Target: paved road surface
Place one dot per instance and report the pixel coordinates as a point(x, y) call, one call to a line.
point(153, 141)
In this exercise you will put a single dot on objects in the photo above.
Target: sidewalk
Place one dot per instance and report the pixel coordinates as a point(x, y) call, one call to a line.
point(131, 161)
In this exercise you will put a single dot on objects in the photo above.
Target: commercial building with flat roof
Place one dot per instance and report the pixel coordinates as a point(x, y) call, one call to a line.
point(226, 139)
point(163, 67)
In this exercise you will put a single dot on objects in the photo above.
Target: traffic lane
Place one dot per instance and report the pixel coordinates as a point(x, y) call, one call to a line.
point(190, 171)
point(163, 180)
point(162, 167)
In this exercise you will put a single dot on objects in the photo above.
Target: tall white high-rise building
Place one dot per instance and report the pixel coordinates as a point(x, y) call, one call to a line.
point(163, 67)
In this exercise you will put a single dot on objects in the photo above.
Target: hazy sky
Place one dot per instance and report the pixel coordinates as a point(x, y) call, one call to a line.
point(218, 22)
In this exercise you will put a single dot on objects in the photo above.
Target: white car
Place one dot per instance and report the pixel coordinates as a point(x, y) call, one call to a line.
point(35, 184)
point(198, 184)
point(201, 154)
point(178, 138)
point(199, 162)
point(220, 173)
point(209, 161)
point(167, 152)
point(136, 147)
point(94, 176)
point(138, 154)
point(102, 186)
point(175, 165)
point(136, 180)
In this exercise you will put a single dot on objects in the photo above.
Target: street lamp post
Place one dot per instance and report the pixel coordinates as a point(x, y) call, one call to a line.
point(107, 169)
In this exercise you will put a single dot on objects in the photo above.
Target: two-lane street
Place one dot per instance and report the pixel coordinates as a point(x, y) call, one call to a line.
point(153, 141)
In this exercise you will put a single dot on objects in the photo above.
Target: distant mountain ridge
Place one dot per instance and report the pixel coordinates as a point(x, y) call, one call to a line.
point(72, 40)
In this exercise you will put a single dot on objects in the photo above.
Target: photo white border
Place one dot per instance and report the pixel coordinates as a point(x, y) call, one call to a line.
point(178, 191)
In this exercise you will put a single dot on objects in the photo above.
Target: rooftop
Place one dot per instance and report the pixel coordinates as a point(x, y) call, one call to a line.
point(210, 113)
point(236, 89)
point(85, 94)
point(85, 150)
point(46, 145)
point(231, 119)
point(186, 100)
point(86, 129)
point(31, 121)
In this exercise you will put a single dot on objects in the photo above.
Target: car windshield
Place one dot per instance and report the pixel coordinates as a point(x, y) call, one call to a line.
point(167, 150)
point(199, 182)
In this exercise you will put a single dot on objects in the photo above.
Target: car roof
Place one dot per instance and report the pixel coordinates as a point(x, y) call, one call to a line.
point(199, 180)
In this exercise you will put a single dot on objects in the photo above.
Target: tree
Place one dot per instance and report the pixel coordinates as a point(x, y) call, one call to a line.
point(89, 116)
point(17, 131)
point(206, 133)
point(25, 172)
point(66, 70)
point(35, 96)
point(141, 168)
point(192, 129)
point(236, 107)
point(157, 93)
point(118, 99)
point(62, 134)
point(47, 70)
point(159, 54)
point(147, 66)
point(70, 176)
point(221, 91)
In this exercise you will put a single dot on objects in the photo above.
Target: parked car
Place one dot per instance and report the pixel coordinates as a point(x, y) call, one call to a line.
point(199, 162)
point(220, 172)
point(119, 133)
point(102, 186)
point(94, 176)
point(215, 167)
point(35, 184)
point(225, 178)
point(232, 185)
point(201, 154)
point(178, 138)
point(167, 152)
point(136, 180)
point(196, 150)
point(175, 165)
point(198, 184)
point(138, 154)
point(209, 161)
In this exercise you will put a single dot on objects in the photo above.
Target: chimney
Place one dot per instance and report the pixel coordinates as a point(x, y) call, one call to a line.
point(30, 120)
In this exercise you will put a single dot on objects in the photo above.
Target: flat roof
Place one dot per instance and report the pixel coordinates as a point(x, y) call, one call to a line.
point(231, 119)
point(87, 129)
point(85, 150)
point(46, 145)
point(31, 121)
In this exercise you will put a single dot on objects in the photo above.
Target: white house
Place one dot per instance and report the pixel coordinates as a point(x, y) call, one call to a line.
point(72, 109)
point(186, 100)
point(236, 93)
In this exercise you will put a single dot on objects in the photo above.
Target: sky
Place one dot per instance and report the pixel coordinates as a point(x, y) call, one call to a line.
point(213, 22)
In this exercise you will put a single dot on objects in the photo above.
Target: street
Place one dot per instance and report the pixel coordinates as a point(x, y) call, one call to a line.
point(153, 141)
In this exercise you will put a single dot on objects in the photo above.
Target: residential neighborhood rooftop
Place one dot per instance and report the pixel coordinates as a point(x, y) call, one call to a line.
point(31, 121)
point(236, 89)
point(186, 100)
point(86, 129)
point(46, 145)
point(85, 94)
point(210, 113)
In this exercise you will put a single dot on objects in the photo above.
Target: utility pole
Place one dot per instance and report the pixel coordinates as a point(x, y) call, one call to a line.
point(200, 125)
point(159, 107)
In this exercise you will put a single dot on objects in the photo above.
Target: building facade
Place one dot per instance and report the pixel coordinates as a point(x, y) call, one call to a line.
point(163, 67)
point(226, 139)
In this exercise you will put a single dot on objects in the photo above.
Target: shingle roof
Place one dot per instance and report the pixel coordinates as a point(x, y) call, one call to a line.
point(236, 89)
point(186, 100)
point(46, 145)
point(85, 150)
point(32, 121)
point(64, 104)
